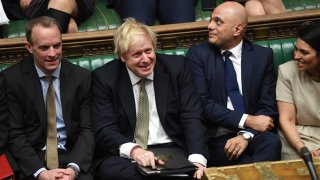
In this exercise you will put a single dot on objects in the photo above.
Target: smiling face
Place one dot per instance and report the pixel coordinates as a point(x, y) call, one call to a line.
point(227, 25)
point(140, 57)
point(307, 58)
point(46, 48)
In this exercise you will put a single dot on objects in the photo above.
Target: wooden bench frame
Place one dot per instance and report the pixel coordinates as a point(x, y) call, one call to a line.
point(169, 36)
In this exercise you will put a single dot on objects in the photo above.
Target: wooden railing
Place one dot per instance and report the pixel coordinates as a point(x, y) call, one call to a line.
point(169, 36)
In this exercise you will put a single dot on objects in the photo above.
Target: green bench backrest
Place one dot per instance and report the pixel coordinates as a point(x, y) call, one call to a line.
point(282, 52)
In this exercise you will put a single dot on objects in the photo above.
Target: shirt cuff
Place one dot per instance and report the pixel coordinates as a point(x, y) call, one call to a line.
point(75, 165)
point(36, 174)
point(242, 121)
point(198, 158)
point(240, 132)
point(125, 149)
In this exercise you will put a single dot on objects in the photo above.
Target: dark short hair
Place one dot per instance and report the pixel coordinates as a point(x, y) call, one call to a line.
point(44, 21)
point(309, 32)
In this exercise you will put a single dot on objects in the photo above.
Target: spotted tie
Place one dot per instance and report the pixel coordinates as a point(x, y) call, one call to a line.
point(142, 124)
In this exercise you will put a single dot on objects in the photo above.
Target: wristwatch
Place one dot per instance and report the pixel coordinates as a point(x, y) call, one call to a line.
point(246, 136)
point(75, 169)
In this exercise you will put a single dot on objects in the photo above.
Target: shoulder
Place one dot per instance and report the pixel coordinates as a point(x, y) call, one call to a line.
point(288, 69)
point(204, 46)
point(255, 47)
point(170, 61)
point(73, 67)
point(14, 70)
point(109, 67)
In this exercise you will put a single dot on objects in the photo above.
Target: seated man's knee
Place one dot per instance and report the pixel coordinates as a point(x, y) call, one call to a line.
point(62, 17)
point(116, 167)
point(271, 139)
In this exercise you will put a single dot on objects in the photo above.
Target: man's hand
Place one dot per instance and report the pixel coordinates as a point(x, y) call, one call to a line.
point(68, 174)
point(259, 123)
point(144, 158)
point(199, 172)
point(235, 147)
point(51, 174)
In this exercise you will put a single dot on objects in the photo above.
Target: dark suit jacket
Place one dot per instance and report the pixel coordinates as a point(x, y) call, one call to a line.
point(27, 135)
point(178, 105)
point(3, 116)
point(258, 83)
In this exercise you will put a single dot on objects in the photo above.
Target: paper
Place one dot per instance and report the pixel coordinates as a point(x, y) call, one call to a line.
point(3, 17)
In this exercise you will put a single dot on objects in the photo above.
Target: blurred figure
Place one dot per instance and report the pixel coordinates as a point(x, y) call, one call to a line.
point(68, 13)
point(146, 11)
point(236, 81)
point(298, 94)
point(264, 7)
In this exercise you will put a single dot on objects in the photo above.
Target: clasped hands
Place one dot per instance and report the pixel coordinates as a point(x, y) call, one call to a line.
point(54, 174)
point(147, 158)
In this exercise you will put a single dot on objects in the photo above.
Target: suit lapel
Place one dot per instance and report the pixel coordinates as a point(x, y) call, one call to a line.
point(126, 95)
point(34, 89)
point(161, 85)
point(246, 70)
point(219, 77)
point(66, 94)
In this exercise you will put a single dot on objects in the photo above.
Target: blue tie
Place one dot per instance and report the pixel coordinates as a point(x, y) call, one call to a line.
point(232, 84)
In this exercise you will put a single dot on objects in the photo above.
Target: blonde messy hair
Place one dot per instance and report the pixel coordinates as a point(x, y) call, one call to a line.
point(129, 35)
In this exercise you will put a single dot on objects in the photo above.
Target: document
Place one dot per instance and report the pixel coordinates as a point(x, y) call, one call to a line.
point(175, 164)
point(3, 17)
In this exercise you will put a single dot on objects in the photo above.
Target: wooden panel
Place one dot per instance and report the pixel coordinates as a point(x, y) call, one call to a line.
point(278, 170)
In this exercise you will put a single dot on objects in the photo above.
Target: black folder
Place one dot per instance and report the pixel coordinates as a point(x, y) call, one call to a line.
point(175, 164)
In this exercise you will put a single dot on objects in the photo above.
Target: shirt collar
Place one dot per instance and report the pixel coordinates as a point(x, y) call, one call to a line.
point(55, 74)
point(236, 51)
point(135, 79)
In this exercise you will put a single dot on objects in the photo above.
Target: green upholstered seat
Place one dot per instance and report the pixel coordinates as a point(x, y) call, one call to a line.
point(104, 18)
point(282, 52)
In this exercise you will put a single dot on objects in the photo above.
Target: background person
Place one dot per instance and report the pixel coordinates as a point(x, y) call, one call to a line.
point(68, 13)
point(167, 11)
point(264, 7)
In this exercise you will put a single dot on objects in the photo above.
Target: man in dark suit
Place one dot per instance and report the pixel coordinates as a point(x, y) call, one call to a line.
point(238, 134)
point(3, 117)
point(174, 109)
point(166, 11)
point(27, 87)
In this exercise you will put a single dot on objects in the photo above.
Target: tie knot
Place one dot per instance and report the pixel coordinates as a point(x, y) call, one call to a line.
point(142, 82)
point(49, 79)
point(227, 54)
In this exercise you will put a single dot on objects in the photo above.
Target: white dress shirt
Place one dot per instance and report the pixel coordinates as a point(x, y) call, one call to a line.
point(157, 135)
point(236, 61)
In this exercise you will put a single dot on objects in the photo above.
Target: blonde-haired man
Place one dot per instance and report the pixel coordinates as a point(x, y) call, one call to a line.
point(174, 109)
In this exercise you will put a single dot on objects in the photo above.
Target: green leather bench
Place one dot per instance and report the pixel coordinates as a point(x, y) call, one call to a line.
point(282, 52)
point(105, 18)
